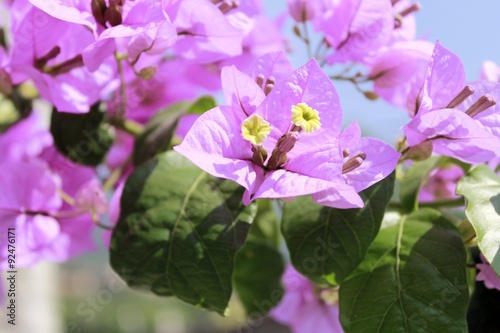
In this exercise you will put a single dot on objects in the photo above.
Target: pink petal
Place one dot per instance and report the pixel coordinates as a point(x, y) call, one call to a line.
point(206, 36)
point(307, 84)
point(487, 275)
point(284, 184)
point(324, 162)
point(70, 11)
point(339, 195)
point(490, 71)
point(27, 138)
point(215, 145)
point(459, 135)
point(441, 183)
point(241, 91)
point(489, 118)
point(444, 79)
point(370, 29)
point(400, 73)
point(350, 136)
point(74, 239)
point(381, 160)
point(275, 64)
point(96, 53)
point(308, 173)
point(334, 18)
point(33, 187)
point(33, 235)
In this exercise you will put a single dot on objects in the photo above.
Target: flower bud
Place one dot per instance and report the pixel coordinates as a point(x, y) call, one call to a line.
point(421, 151)
point(147, 73)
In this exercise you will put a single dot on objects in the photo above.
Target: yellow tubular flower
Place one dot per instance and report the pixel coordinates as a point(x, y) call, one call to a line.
point(255, 129)
point(306, 117)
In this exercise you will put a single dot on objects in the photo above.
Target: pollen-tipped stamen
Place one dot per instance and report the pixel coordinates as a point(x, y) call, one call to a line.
point(345, 153)
point(353, 163)
point(461, 96)
point(306, 117)
point(255, 129)
point(484, 102)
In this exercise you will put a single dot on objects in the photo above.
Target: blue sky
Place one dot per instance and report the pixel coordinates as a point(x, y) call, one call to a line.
point(469, 29)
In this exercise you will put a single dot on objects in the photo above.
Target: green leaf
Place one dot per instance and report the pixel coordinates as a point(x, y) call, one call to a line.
point(83, 138)
point(481, 187)
point(259, 265)
point(413, 180)
point(327, 244)
point(202, 104)
point(412, 280)
point(265, 227)
point(158, 133)
point(257, 274)
point(179, 230)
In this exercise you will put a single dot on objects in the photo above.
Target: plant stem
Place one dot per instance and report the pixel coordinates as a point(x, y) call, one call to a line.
point(123, 88)
point(307, 40)
point(126, 125)
point(452, 203)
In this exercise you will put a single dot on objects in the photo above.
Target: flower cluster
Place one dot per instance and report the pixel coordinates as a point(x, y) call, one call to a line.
point(280, 137)
point(136, 57)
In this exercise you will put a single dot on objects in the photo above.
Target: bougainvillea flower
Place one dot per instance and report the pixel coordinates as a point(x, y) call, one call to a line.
point(398, 73)
point(174, 81)
point(453, 119)
point(283, 140)
point(355, 29)
point(263, 38)
point(141, 27)
point(52, 204)
point(48, 54)
point(306, 309)
point(246, 92)
point(441, 183)
point(487, 274)
point(275, 64)
point(28, 207)
point(302, 10)
point(204, 34)
point(84, 203)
